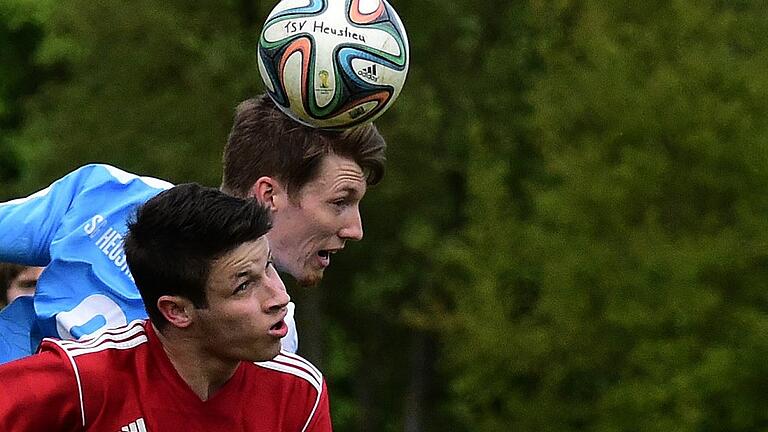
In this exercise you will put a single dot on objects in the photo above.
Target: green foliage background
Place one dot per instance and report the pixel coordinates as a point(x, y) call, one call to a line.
point(572, 233)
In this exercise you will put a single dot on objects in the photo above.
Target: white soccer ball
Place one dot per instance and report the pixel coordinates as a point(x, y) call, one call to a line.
point(333, 63)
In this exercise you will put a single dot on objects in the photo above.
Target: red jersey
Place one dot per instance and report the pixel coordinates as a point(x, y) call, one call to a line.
point(122, 381)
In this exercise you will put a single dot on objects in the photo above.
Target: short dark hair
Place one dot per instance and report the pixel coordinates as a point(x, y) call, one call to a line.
point(266, 142)
point(174, 238)
point(8, 272)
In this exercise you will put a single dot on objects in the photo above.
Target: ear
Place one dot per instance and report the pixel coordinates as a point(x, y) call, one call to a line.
point(268, 191)
point(177, 310)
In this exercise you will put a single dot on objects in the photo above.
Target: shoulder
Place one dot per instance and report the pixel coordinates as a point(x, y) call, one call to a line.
point(294, 368)
point(40, 392)
point(94, 178)
point(93, 362)
point(298, 387)
point(115, 340)
point(104, 173)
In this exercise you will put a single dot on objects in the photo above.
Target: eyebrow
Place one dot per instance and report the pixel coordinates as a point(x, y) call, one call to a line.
point(349, 191)
point(247, 272)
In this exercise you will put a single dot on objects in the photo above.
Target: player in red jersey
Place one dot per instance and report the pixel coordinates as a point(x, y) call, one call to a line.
point(208, 359)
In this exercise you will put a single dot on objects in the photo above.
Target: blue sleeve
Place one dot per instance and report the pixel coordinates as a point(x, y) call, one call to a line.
point(19, 336)
point(28, 225)
point(75, 228)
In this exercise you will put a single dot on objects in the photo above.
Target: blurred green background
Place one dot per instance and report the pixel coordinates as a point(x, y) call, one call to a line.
point(572, 234)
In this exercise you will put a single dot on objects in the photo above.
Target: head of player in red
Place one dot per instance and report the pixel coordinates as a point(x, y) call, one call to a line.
point(202, 264)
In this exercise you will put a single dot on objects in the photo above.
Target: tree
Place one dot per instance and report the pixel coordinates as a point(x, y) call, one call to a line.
point(632, 296)
point(20, 30)
point(146, 86)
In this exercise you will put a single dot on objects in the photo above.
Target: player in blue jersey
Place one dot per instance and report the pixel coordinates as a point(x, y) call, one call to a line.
point(312, 181)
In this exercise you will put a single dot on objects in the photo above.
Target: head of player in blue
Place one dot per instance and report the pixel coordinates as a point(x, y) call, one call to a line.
point(202, 263)
point(17, 280)
point(311, 180)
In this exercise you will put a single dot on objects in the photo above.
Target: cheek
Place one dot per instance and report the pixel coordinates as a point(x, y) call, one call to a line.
point(303, 232)
point(233, 332)
point(327, 223)
point(319, 215)
point(312, 232)
point(293, 231)
point(230, 316)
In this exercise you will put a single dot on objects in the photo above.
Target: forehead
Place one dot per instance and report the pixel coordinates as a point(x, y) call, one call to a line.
point(29, 273)
point(337, 173)
point(252, 253)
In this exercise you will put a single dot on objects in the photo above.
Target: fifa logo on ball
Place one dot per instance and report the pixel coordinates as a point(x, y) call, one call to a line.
point(323, 75)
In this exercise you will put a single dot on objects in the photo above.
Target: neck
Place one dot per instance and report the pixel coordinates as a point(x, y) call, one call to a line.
point(203, 373)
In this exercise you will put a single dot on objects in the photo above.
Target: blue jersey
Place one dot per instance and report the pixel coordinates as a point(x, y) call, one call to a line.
point(75, 228)
point(18, 330)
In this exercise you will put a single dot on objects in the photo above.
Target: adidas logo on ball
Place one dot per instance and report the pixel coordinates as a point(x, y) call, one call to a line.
point(370, 73)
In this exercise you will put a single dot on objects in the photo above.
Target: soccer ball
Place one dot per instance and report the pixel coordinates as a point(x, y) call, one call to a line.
point(333, 63)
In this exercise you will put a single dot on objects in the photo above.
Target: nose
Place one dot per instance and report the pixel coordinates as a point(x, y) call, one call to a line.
point(279, 297)
point(353, 226)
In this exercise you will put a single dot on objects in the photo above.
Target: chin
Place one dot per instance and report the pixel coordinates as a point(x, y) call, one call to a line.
point(311, 279)
point(266, 355)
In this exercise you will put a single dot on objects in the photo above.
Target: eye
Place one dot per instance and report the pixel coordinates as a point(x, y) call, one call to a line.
point(242, 287)
point(341, 203)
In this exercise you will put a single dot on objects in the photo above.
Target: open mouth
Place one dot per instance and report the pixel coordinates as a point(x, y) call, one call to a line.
point(326, 253)
point(325, 256)
point(279, 330)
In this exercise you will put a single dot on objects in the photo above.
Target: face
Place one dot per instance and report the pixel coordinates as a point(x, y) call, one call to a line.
point(318, 220)
point(246, 305)
point(24, 283)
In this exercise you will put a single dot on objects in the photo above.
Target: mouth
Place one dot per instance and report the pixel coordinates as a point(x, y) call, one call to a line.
point(325, 256)
point(279, 330)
